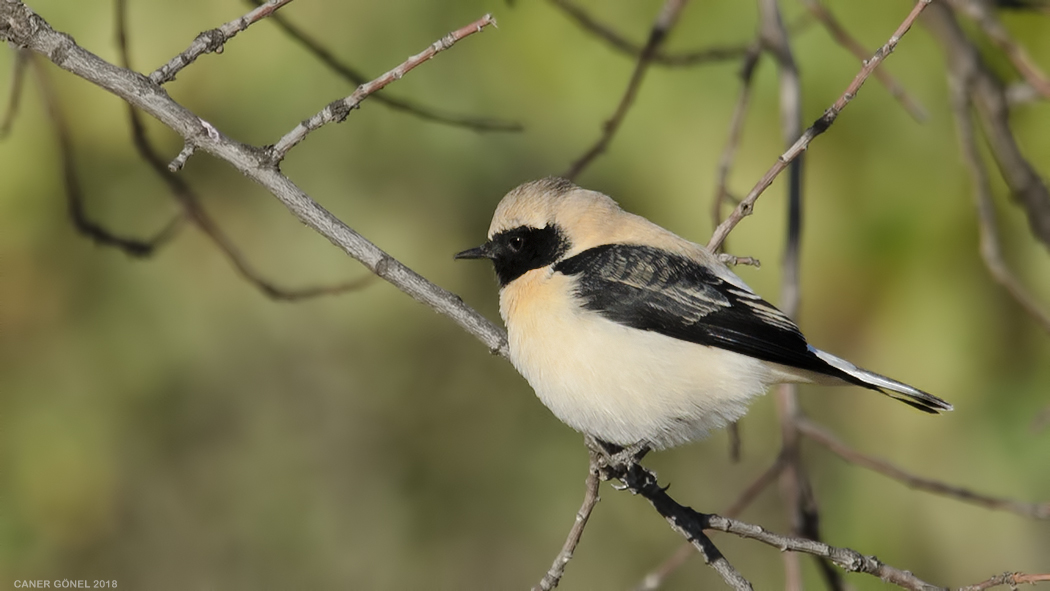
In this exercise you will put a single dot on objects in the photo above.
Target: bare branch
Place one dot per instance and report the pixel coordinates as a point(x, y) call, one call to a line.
point(213, 41)
point(836, 446)
point(983, 13)
point(990, 244)
point(683, 520)
point(630, 48)
point(847, 559)
point(1011, 579)
point(354, 76)
point(795, 486)
point(337, 111)
point(18, 76)
point(590, 499)
point(843, 38)
point(665, 21)
point(990, 104)
point(191, 203)
point(691, 523)
point(821, 125)
point(736, 127)
point(23, 28)
point(135, 247)
point(656, 578)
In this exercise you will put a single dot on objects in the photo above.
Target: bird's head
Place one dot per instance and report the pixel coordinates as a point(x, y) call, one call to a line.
point(541, 222)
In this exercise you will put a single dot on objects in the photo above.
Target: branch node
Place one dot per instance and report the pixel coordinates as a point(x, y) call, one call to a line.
point(728, 259)
point(180, 161)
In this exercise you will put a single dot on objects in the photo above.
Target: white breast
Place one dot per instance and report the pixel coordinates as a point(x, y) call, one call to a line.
point(620, 384)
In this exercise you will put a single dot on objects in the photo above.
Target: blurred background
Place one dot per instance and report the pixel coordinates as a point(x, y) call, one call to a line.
point(166, 425)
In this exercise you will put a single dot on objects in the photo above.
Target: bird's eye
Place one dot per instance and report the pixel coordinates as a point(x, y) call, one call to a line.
point(516, 243)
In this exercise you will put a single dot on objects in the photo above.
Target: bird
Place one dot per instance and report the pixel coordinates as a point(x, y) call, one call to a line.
point(635, 336)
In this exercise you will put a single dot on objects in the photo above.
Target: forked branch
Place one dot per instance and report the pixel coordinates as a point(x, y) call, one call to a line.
point(747, 205)
point(337, 111)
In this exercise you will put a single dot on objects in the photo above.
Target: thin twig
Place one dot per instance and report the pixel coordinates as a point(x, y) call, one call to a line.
point(14, 96)
point(213, 41)
point(399, 104)
point(843, 38)
point(642, 481)
point(821, 125)
point(655, 579)
point(590, 499)
point(820, 435)
point(20, 26)
point(975, 88)
point(990, 103)
point(337, 111)
point(735, 444)
point(1011, 579)
point(74, 193)
point(659, 57)
point(846, 558)
point(191, 203)
point(23, 28)
point(984, 15)
point(795, 486)
point(662, 26)
point(691, 523)
point(736, 128)
point(990, 244)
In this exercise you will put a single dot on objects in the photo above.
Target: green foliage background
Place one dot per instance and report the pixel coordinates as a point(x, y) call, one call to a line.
point(165, 425)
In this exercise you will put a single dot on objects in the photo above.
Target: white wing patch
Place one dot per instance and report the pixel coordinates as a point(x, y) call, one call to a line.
point(768, 313)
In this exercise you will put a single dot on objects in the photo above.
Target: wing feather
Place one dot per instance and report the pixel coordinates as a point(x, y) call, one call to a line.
point(655, 290)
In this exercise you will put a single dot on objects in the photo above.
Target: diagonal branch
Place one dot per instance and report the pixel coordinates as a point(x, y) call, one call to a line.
point(337, 111)
point(135, 247)
point(990, 244)
point(736, 128)
point(820, 435)
point(14, 96)
point(1012, 579)
point(23, 28)
point(213, 41)
point(983, 14)
point(632, 49)
point(990, 103)
point(845, 558)
point(690, 523)
point(975, 88)
point(642, 481)
point(590, 499)
point(191, 203)
point(843, 38)
point(354, 76)
point(665, 21)
point(821, 125)
point(657, 576)
point(795, 486)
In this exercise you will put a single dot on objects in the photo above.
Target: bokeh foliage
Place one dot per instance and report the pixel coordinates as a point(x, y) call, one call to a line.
point(164, 424)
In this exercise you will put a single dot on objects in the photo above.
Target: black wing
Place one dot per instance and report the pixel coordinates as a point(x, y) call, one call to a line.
point(651, 289)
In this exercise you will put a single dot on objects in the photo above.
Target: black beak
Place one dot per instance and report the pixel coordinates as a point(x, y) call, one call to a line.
point(485, 251)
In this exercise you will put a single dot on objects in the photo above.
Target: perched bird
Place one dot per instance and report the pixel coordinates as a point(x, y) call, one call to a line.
point(635, 336)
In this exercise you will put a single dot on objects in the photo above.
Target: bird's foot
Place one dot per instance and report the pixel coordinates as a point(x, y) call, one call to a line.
point(615, 461)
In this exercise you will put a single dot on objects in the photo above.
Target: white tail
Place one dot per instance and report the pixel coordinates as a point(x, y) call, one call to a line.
point(892, 388)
